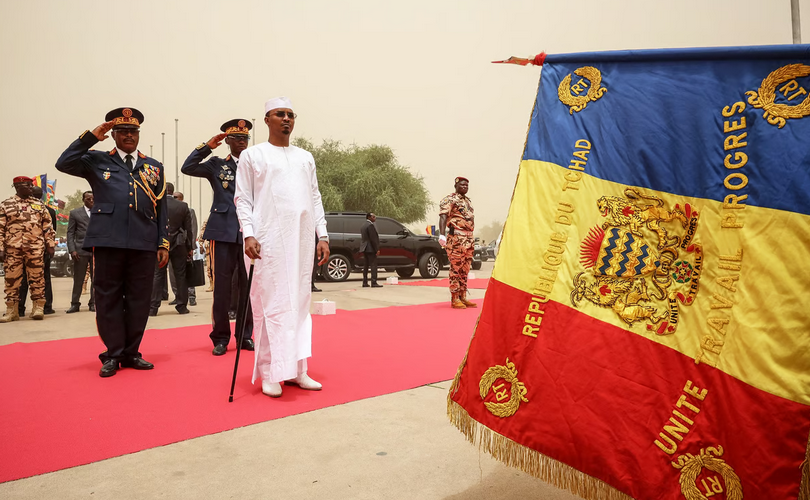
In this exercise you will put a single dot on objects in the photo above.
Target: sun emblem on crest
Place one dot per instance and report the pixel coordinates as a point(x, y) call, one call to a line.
point(241, 123)
point(127, 112)
point(764, 98)
point(570, 95)
point(508, 374)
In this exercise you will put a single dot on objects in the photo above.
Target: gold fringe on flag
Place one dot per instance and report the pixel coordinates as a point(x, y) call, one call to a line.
point(530, 461)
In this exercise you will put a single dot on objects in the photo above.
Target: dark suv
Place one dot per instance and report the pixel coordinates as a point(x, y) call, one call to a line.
point(400, 250)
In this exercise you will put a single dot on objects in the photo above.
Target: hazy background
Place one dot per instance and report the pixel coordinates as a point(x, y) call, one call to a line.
point(413, 75)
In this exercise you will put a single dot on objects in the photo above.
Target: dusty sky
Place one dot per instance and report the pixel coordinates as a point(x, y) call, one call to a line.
point(413, 75)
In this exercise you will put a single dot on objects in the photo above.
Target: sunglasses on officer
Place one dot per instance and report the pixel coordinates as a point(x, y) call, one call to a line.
point(239, 138)
point(282, 114)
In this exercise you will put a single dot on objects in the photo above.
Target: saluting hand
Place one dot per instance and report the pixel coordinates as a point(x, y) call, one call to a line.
point(101, 131)
point(216, 141)
point(252, 248)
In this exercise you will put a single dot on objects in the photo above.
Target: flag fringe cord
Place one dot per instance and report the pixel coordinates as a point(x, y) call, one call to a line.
point(530, 461)
point(804, 488)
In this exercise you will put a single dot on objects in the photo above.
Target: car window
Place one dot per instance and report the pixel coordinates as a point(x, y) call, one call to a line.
point(334, 224)
point(353, 224)
point(387, 226)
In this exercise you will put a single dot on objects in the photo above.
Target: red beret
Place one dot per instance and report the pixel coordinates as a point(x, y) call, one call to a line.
point(22, 178)
point(459, 179)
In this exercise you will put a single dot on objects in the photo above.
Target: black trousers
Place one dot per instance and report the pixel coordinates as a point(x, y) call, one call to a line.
point(371, 262)
point(48, 290)
point(227, 260)
point(192, 292)
point(80, 266)
point(123, 286)
point(177, 258)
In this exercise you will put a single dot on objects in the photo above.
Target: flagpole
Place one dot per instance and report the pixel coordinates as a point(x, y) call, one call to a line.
point(163, 149)
point(176, 153)
point(254, 130)
point(796, 21)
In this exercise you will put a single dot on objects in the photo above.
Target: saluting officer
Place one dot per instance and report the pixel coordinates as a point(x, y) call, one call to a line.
point(127, 227)
point(222, 229)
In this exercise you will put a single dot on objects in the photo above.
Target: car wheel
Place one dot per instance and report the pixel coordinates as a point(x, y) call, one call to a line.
point(337, 268)
point(429, 265)
point(476, 265)
point(484, 258)
point(406, 272)
point(390, 269)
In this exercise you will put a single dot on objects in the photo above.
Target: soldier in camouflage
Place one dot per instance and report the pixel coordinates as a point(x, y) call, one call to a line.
point(457, 216)
point(26, 233)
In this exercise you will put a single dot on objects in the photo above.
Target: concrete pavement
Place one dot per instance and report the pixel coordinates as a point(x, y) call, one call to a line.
point(396, 446)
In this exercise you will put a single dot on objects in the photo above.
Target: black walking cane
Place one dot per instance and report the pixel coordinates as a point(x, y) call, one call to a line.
point(240, 327)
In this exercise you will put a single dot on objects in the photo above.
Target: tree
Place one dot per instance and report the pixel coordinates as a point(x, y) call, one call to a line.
point(367, 179)
point(73, 201)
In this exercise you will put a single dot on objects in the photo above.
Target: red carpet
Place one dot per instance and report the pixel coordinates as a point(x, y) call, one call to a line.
point(477, 283)
point(56, 412)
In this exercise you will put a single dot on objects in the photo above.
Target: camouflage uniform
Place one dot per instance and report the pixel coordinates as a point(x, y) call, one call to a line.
point(26, 231)
point(460, 245)
point(204, 245)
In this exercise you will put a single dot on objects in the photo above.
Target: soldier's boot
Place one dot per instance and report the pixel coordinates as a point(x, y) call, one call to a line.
point(456, 302)
point(39, 309)
point(463, 298)
point(12, 313)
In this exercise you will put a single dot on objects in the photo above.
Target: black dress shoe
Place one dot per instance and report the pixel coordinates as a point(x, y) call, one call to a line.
point(92, 308)
point(376, 285)
point(316, 289)
point(192, 302)
point(173, 303)
point(73, 309)
point(182, 310)
point(137, 363)
point(366, 285)
point(248, 345)
point(219, 350)
point(49, 311)
point(109, 368)
point(153, 312)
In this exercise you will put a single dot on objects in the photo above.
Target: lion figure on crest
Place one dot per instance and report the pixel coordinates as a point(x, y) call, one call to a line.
point(620, 212)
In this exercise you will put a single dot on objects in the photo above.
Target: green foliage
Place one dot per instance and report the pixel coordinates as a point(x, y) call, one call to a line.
point(73, 201)
point(367, 179)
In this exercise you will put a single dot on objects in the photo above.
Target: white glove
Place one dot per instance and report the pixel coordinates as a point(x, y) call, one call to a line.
point(442, 240)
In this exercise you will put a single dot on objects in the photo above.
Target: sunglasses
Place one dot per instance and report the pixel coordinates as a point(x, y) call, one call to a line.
point(288, 114)
point(239, 138)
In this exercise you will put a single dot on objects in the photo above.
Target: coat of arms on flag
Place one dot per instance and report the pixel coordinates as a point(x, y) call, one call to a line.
point(644, 333)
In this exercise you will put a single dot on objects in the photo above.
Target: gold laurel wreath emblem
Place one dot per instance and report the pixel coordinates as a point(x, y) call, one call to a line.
point(709, 458)
point(578, 103)
point(778, 114)
point(509, 374)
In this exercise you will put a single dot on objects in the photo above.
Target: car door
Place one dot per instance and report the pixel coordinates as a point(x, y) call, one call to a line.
point(393, 236)
point(351, 237)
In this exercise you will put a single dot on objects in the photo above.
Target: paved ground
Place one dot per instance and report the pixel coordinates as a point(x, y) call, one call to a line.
point(397, 446)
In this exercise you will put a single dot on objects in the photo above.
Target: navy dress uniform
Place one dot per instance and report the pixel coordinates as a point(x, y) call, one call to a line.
point(224, 235)
point(127, 227)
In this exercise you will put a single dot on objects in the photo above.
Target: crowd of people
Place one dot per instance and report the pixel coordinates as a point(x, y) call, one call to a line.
point(133, 227)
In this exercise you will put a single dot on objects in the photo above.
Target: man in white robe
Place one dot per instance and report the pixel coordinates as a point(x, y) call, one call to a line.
point(280, 211)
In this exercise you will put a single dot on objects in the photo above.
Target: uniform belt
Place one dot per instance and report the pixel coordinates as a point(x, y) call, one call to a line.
point(462, 232)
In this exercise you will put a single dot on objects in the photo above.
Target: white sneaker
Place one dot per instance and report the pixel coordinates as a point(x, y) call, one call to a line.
point(272, 389)
point(304, 382)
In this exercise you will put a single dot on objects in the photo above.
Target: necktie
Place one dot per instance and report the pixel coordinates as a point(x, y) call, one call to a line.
point(128, 161)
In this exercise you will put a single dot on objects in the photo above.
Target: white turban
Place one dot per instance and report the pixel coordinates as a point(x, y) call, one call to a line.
point(277, 102)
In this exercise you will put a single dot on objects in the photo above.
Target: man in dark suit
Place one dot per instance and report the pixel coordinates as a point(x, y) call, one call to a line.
point(181, 241)
point(192, 292)
point(370, 246)
point(222, 229)
point(127, 232)
point(36, 192)
point(82, 259)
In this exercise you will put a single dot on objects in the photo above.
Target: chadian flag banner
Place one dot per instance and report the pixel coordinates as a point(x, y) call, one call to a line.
point(646, 333)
